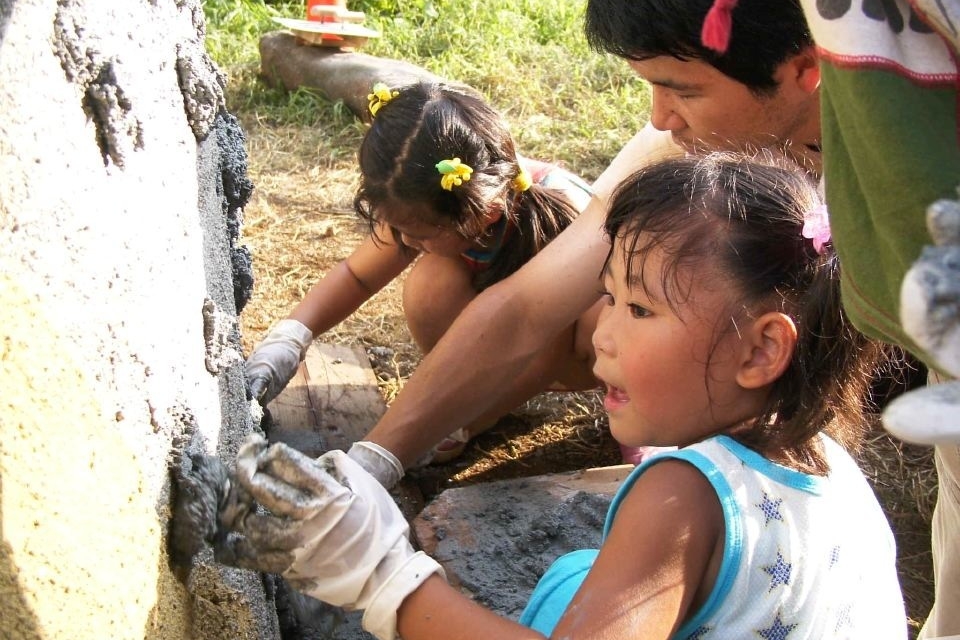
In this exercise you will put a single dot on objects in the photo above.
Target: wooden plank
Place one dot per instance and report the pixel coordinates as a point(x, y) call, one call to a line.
point(331, 402)
point(293, 420)
point(346, 34)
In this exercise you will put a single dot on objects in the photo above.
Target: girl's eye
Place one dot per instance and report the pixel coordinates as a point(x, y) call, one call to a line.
point(636, 311)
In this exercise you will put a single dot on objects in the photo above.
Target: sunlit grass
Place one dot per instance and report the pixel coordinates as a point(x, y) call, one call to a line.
point(564, 102)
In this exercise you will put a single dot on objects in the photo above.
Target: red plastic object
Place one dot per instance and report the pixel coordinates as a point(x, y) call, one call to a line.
point(342, 4)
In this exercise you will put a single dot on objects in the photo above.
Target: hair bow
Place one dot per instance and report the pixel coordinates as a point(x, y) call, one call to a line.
point(453, 172)
point(816, 227)
point(522, 182)
point(718, 25)
point(382, 94)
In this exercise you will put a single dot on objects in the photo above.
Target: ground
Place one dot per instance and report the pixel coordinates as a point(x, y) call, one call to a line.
point(300, 222)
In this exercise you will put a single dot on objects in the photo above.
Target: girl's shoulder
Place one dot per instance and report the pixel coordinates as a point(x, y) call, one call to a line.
point(793, 543)
point(552, 176)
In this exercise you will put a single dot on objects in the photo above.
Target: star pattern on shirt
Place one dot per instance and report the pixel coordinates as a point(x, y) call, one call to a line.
point(834, 556)
point(844, 619)
point(700, 633)
point(770, 508)
point(776, 631)
point(779, 572)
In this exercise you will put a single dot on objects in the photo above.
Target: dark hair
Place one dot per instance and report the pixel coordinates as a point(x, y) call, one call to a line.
point(429, 122)
point(765, 33)
point(741, 218)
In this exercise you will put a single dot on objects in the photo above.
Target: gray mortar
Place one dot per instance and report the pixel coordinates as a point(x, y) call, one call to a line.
point(516, 533)
point(237, 189)
point(6, 8)
point(202, 483)
point(202, 85)
point(223, 191)
point(98, 79)
point(220, 334)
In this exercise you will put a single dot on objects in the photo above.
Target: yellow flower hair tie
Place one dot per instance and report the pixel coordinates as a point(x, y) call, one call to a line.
point(454, 173)
point(382, 94)
point(522, 182)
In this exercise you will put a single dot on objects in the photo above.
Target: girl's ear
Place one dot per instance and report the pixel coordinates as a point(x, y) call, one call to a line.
point(767, 350)
point(494, 214)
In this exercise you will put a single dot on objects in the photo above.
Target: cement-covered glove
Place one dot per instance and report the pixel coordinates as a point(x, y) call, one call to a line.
point(275, 360)
point(204, 500)
point(334, 532)
point(930, 314)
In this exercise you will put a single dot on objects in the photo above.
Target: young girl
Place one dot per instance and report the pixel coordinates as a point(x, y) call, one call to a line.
point(722, 333)
point(442, 184)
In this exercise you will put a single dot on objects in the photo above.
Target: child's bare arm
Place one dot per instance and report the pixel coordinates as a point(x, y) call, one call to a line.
point(337, 295)
point(437, 610)
point(659, 562)
point(656, 567)
point(371, 266)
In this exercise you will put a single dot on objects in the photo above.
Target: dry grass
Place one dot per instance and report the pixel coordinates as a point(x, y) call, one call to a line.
point(300, 222)
point(905, 482)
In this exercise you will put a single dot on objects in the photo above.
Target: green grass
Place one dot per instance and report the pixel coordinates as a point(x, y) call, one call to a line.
point(563, 101)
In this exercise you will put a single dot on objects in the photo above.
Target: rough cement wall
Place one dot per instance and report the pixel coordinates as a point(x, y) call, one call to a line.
point(122, 182)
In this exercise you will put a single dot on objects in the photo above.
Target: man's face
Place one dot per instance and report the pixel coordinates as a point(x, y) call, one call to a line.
point(704, 109)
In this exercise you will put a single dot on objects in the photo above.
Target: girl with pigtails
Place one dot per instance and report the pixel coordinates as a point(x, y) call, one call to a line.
point(442, 187)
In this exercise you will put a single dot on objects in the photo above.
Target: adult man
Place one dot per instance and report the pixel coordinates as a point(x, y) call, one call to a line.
point(762, 93)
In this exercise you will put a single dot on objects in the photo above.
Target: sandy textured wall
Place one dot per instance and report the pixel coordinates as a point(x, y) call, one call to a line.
point(121, 271)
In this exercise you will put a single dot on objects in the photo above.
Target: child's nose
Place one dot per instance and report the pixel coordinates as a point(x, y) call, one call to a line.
point(602, 340)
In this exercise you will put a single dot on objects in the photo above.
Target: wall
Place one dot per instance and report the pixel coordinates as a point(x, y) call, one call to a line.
point(122, 181)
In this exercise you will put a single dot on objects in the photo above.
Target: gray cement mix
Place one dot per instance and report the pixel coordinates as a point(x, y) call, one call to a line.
point(517, 531)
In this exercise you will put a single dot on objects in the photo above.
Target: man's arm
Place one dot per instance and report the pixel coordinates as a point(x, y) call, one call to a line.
point(494, 338)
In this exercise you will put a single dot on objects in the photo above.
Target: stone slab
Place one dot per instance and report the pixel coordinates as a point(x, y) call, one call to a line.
point(495, 540)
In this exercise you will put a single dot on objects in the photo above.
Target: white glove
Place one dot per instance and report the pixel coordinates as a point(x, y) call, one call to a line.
point(336, 535)
point(930, 314)
point(274, 361)
point(378, 462)
point(930, 292)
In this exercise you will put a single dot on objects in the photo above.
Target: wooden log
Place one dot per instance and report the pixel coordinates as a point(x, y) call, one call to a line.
point(338, 75)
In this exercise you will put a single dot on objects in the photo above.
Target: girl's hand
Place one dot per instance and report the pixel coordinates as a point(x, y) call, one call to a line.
point(275, 360)
point(333, 532)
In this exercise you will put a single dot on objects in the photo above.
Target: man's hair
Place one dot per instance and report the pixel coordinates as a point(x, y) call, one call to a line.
point(765, 34)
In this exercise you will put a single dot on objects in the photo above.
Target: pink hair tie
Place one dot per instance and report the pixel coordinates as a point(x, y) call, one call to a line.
point(718, 25)
point(816, 227)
